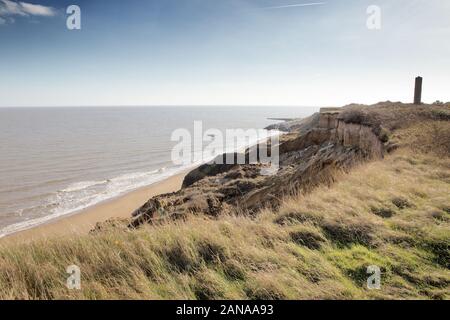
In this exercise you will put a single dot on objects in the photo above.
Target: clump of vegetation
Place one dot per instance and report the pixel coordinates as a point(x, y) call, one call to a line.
point(443, 115)
point(296, 217)
point(307, 236)
point(349, 231)
point(383, 212)
point(362, 117)
point(356, 116)
point(401, 203)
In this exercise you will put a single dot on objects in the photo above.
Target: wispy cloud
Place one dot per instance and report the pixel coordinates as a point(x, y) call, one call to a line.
point(38, 10)
point(10, 8)
point(295, 5)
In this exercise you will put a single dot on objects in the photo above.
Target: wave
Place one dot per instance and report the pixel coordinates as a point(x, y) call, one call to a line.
point(81, 195)
point(83, 185)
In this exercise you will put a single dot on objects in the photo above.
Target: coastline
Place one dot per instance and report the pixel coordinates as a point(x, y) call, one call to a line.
point(84, 221)
point(120, 207)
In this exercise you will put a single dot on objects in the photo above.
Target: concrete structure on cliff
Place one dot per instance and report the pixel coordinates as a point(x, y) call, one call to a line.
point(333, 128)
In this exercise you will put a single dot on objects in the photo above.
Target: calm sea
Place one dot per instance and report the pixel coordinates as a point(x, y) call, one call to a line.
point(57, 161)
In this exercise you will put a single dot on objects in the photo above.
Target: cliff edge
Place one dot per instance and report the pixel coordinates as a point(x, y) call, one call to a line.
point(314, 150)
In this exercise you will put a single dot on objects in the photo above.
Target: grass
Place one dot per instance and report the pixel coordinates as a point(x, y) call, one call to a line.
point(316, 246)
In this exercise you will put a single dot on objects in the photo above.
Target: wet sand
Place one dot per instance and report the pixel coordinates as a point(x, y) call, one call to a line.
point(84, 221)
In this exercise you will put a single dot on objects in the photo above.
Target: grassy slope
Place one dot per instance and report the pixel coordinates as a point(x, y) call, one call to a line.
point(393, 213)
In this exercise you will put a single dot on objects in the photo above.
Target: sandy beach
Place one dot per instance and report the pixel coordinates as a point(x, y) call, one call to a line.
point(84, 221)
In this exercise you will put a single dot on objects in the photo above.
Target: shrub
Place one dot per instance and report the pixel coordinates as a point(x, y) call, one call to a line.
point(443, 115)
point(401, 203)
point(308, 236)
point(297, 217)
point(211, 251)
point(208, 285)
point(354, 116)
point(347, 232)
point(440, 246)
point(265, 288)
point(234, 270)
point(383, 212)
point(180, 257)
point(383, 135)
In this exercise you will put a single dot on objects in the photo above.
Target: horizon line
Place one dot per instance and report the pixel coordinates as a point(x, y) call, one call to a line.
point(168, 105)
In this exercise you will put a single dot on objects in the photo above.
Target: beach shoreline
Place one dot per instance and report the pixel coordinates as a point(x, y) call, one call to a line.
point(82, 222)
point(119, 207)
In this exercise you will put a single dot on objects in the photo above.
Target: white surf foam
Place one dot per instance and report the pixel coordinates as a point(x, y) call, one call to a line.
point(81, 195)
point(84, 194)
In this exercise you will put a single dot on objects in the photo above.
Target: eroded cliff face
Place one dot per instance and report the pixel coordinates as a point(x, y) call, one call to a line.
point(333, 128)
point(309, 156)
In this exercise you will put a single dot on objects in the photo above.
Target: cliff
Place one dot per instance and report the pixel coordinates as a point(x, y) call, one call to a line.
point(310, 155)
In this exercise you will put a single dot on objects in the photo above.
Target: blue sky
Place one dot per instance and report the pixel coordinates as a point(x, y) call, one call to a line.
point(222, 52)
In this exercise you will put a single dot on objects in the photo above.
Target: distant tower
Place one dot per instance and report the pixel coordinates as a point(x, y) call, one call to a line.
point(418, 91)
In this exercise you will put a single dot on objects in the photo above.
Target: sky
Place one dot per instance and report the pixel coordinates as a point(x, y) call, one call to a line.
point(222, 52)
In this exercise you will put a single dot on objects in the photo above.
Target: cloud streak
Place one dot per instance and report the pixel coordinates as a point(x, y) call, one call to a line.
point(10, 8)
point(295, 5)
point(38, 10)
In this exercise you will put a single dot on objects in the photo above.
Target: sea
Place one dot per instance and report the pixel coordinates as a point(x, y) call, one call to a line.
point(58, 161)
